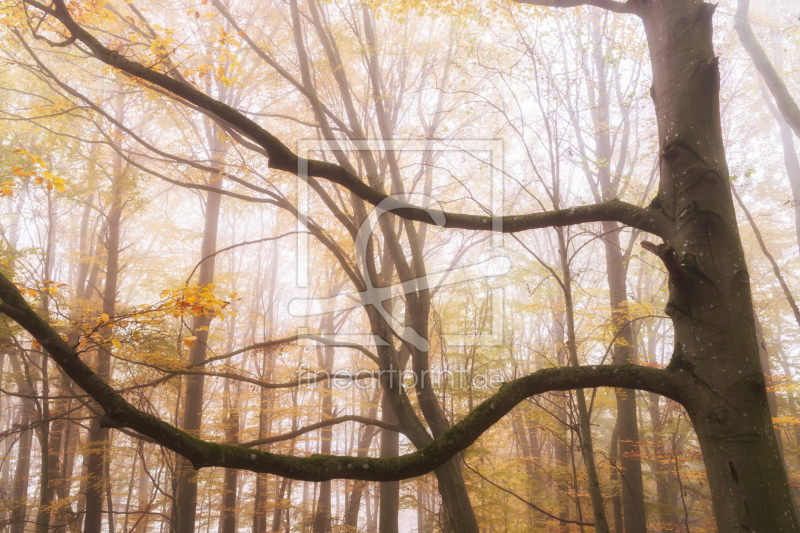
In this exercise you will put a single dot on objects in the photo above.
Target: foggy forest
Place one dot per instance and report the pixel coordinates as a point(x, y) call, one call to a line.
point(462, 266)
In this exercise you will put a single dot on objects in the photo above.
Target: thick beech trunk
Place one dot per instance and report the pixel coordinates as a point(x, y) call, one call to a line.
point(709, 300)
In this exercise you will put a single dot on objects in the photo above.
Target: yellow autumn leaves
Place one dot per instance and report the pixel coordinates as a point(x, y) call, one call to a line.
point(39, 175)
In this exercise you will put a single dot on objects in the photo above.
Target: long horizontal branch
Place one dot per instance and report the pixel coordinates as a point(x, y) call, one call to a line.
point(319, 425)
point(282, 158)
point(611, 5)
point(121, 414)
point(310, 379)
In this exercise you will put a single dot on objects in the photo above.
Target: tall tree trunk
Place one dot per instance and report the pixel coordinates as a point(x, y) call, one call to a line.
point(228, 510)
point(322, 517)
point(95, 458)
point(390, 490)
point(616, 501)
point(790, 158)
point(265, 395)
point(587, 447)
point(364, 442)
point(709, 293)
point(605, 184)
point(186, 492)
point(46, 467)
point(19, 488)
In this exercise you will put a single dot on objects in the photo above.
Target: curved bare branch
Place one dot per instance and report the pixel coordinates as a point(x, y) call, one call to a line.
point(325, 423)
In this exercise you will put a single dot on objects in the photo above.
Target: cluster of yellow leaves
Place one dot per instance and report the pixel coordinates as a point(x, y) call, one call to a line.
point(91, 12)
point(195, 300)
point(48, 286)
point(228, 69)
point(191, 300)
point(39, 174)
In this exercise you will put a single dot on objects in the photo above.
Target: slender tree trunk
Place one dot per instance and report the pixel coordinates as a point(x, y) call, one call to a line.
point(354, 503)
point(276, 517)
point(186, 492)
point(266, 398)
point(605, 186)
point(94, 458)
point(46, 467)
point(616, 501)
point(587, 448)
point(322, 522)
point(228, 509)
point(19, 488)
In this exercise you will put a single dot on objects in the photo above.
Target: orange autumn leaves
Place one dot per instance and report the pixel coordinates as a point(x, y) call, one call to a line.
point(38, 172)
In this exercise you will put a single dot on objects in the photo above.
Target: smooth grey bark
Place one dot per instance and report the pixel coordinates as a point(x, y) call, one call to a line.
point(709, 292)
